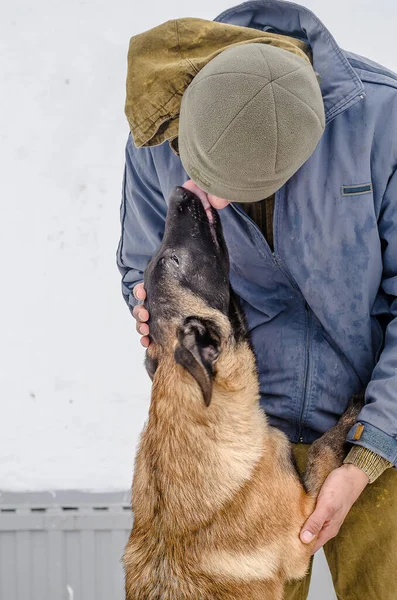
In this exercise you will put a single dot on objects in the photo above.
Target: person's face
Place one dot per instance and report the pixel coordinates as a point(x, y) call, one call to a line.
point(216, 202)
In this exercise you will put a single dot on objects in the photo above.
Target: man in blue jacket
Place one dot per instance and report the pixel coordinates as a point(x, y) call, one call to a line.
point(308, 202)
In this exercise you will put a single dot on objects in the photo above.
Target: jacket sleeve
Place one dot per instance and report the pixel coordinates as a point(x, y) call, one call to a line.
point(142, 214)
point(376, 428)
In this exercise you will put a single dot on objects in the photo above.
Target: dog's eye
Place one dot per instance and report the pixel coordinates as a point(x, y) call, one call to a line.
point(175, 259)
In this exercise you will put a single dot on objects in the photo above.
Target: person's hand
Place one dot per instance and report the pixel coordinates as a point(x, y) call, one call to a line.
point(216, 202)
point(141, 314)
point(339, 492)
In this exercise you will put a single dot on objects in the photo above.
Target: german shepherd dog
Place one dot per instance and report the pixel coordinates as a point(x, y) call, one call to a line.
point(218, 504)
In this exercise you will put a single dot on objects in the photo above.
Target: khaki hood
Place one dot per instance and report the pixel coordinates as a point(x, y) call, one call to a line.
point(163, 61)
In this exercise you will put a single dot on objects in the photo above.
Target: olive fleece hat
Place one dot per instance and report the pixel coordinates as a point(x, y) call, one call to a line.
point(248, 120)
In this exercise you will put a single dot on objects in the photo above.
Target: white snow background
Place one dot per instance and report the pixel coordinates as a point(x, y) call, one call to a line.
point(74, 393)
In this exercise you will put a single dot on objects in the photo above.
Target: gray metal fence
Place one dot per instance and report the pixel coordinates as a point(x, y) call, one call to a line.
point(65, 546)
point(68, 546)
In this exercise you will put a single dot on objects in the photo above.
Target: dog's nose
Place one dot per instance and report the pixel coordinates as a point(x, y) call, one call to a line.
point(182, 195)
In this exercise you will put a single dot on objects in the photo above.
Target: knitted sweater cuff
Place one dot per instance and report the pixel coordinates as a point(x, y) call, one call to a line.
point(371, 463)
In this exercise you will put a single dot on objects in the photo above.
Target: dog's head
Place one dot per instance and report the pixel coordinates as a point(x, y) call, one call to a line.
point(192, 309)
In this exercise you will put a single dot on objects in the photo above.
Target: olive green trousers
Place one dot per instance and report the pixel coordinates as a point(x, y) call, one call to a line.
point(363, 556)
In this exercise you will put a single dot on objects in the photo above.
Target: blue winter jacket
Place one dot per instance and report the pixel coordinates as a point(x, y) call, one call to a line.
point(321, 308)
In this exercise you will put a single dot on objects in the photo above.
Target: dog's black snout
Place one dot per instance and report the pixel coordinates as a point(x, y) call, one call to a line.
point(182, 195)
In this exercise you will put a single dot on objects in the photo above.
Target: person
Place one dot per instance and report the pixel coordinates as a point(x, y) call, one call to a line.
point(301, 161)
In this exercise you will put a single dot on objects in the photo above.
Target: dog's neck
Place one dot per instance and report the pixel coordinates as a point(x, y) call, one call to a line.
point(202, 455)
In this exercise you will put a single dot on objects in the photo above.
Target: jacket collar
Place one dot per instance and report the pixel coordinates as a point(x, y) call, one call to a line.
point(340, 85)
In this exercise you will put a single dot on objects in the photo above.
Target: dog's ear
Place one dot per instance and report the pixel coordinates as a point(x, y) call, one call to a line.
point(198, 349)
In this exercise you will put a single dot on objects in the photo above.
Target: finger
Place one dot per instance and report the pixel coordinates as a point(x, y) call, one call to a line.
point(143, 314)
point(140, 313)
point(145, 341)
point(142, 328)
point(315, 523)
point(139, 291)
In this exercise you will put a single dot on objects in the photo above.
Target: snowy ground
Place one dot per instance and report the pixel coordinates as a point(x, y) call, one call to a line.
point(73, 389)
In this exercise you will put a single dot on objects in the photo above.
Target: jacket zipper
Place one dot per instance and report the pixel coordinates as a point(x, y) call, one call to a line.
point(285, 271)
point(304, 402)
